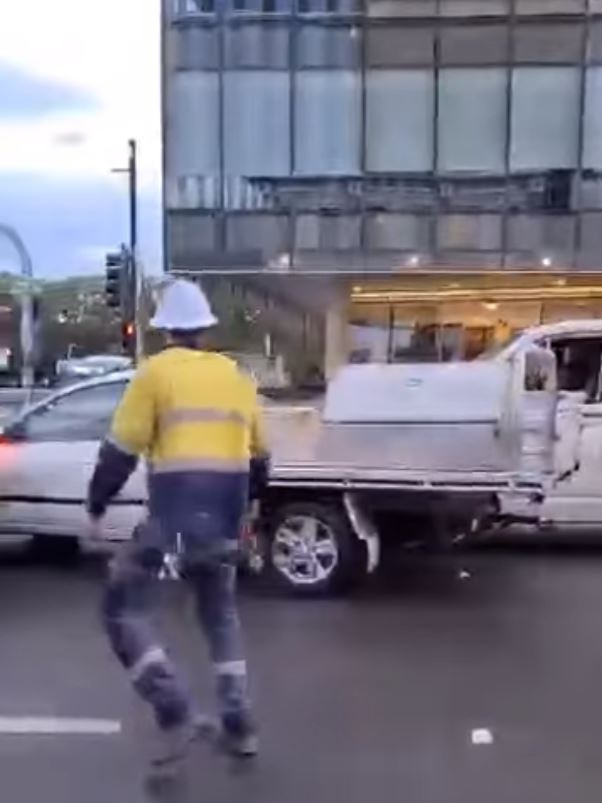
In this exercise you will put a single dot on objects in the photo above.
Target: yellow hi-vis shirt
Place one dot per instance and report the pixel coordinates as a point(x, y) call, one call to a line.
point(190, 410)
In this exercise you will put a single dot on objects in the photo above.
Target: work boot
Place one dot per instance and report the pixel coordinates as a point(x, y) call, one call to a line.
point(239, 737)
point(173, 743)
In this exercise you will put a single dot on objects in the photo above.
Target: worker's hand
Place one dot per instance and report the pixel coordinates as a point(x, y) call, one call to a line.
point(95, 528)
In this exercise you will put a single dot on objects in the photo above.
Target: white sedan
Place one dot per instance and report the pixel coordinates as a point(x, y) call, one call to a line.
point(48, 452)
point(47, 455)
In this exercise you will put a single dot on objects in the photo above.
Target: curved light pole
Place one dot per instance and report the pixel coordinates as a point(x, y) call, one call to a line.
point(26, 332)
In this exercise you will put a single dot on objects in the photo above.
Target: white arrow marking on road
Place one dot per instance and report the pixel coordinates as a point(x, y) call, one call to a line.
point(59, 725)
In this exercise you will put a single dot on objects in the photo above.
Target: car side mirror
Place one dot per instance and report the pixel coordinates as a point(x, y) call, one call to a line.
point(14, 432)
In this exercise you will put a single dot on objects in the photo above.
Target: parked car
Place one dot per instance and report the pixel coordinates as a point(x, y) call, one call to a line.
point(79, 368)
point(47, 453)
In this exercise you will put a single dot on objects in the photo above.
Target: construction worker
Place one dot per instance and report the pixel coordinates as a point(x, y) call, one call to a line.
point(196, 419)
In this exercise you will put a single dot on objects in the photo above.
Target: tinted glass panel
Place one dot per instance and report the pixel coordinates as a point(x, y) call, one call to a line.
point(82, 415)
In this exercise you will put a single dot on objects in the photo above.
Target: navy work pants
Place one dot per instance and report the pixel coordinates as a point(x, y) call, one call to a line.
point(127, 600)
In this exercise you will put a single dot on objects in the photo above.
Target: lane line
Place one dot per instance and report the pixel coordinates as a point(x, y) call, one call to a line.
point(65, 726)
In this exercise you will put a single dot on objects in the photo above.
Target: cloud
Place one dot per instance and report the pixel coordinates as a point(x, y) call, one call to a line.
point(107, 88)
point(24, 95)
point(70, 139)
point(74, 87)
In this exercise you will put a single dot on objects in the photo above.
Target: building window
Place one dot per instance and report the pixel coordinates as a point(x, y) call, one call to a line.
point(468, 232)
point(391, 232)
point(396, 46)
point(369, 334)
point(328, 46)
point(191, 238)
point(550, 6)
point(327, 122)
point(545, 117)
point(552, 190)
point(592, 144)
point(193, 47)
point(192, 141)
point(595, 40)
point(260, 6)
point(474, 44)
point(591, 240)
point(469, 8)
point(591, 191)
point(187, 8)
point(401, 8)
point(261, 238)
point(258, 45)
point(329, 6)
point(542, 235)
point(327, 233)
point(472, 119)
point(256, 123)
point(556, 43)
point(399, 120)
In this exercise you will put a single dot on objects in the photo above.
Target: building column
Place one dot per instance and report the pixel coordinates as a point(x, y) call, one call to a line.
point(337, 331)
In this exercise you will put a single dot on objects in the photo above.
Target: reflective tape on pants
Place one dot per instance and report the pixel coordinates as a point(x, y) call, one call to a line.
point(234, 668)
point(153, 656)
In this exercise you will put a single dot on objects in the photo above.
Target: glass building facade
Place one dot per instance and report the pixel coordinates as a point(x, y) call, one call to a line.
point(375, 136)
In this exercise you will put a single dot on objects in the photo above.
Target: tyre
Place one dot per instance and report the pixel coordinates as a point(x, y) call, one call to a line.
point(311, 550)
point(58, 550)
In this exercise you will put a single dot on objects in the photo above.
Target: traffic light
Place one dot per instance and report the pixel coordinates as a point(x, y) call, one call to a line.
point(128, 337)
point(120, 294)
point(116, 269)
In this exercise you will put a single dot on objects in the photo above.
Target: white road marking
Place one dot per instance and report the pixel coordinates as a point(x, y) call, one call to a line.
point(59, 726)
point(481, 736)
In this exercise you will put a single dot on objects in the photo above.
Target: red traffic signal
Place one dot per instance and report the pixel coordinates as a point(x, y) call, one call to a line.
point(128, 337)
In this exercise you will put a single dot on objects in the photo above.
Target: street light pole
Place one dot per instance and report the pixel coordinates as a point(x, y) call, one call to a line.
point(26, 329)
point(136, 277)
point(134, 267)
point(133, 176)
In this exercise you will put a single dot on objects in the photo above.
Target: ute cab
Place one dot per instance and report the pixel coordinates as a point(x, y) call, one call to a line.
point(574, 503)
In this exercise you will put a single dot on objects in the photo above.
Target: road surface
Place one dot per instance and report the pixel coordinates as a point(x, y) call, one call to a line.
point(378, 698)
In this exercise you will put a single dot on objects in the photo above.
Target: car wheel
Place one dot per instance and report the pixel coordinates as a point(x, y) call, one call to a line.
point(312, 550)
point(55, 549)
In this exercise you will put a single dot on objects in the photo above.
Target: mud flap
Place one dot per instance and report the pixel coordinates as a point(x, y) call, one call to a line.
point(364, 529)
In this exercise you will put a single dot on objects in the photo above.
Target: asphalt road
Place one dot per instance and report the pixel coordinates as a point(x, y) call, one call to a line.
point(375, 698)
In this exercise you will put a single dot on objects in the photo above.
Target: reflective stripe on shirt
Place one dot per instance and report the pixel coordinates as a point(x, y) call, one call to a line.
point(221, 465)
point(201, 415)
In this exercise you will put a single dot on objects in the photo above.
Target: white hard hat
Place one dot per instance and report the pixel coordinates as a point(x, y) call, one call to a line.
point(183, 306)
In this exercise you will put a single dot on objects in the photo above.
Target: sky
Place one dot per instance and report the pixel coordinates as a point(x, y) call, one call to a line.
point(78, 78)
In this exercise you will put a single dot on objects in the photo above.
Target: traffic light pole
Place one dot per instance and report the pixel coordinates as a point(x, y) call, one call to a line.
point(133, 175)
point(135, 277)
point(133, 268)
